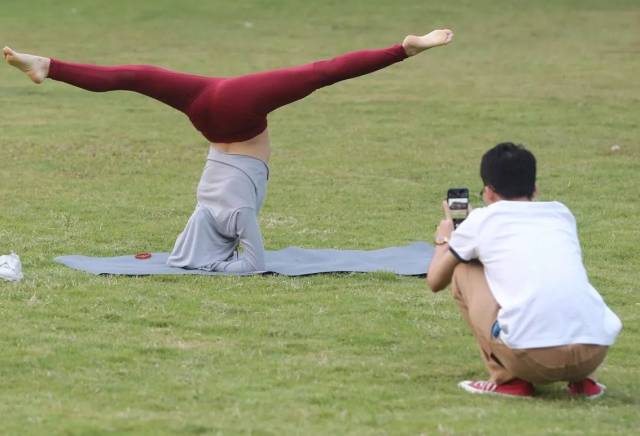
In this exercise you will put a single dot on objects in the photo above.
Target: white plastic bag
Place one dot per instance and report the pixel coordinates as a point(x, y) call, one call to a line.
point(11, 268)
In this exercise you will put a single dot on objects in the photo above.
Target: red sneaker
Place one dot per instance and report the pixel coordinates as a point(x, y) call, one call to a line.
point(514, 388)
point(586, 388)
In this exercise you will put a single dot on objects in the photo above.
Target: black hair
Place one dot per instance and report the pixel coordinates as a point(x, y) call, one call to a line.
point(510, 170)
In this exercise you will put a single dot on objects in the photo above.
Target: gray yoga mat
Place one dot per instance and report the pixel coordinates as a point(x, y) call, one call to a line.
point(409, 260)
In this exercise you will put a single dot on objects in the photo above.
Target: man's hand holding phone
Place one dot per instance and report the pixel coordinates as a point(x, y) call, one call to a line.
point(456, 208)
point(458, 202)
point(445, 228)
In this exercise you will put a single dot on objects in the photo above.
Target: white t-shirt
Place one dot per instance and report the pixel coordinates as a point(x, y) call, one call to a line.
point(533, 265)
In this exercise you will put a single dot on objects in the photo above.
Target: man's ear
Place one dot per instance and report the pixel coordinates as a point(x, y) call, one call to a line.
point(535, 192)
point(490, 195)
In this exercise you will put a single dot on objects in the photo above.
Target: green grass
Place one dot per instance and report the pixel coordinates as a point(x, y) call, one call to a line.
point(362, 164)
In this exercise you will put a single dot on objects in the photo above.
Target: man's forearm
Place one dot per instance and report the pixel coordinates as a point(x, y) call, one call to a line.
point(440, 269)
point(443, 262)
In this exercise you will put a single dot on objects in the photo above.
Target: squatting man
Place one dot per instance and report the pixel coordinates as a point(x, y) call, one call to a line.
point(516, 272)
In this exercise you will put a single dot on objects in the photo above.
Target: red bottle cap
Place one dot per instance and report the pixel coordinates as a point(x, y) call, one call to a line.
point(143, 256)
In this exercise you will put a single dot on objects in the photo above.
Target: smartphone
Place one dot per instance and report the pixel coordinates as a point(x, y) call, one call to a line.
point(458, 201)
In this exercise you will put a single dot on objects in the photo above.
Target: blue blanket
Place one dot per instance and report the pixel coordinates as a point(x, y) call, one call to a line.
point(410, 260)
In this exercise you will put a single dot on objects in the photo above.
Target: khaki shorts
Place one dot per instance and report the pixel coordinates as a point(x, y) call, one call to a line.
point(536, 365)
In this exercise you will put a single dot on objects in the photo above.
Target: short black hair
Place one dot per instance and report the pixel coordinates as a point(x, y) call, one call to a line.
point(510, 170)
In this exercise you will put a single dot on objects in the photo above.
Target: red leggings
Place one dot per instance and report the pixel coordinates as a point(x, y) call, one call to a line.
point(226, 109)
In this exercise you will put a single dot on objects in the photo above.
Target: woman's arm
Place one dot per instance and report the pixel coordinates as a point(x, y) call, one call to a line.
point(248, 230)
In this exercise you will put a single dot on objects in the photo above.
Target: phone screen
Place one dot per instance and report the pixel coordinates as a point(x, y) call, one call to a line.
point(458, 202)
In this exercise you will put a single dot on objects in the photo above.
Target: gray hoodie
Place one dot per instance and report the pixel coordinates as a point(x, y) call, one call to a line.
point(230, 194)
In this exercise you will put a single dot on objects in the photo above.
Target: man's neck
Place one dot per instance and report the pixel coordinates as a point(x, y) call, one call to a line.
point(499, 198)
point(517, 199)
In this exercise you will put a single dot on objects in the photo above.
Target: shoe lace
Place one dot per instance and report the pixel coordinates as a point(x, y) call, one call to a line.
point(485, 385)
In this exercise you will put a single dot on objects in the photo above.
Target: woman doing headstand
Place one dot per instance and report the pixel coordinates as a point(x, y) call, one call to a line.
point(231, 112)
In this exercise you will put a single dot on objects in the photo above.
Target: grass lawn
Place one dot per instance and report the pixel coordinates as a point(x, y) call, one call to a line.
point(363, 164)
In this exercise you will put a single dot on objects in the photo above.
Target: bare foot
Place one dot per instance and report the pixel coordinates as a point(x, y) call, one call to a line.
point(36, 67)
point(415, 44)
